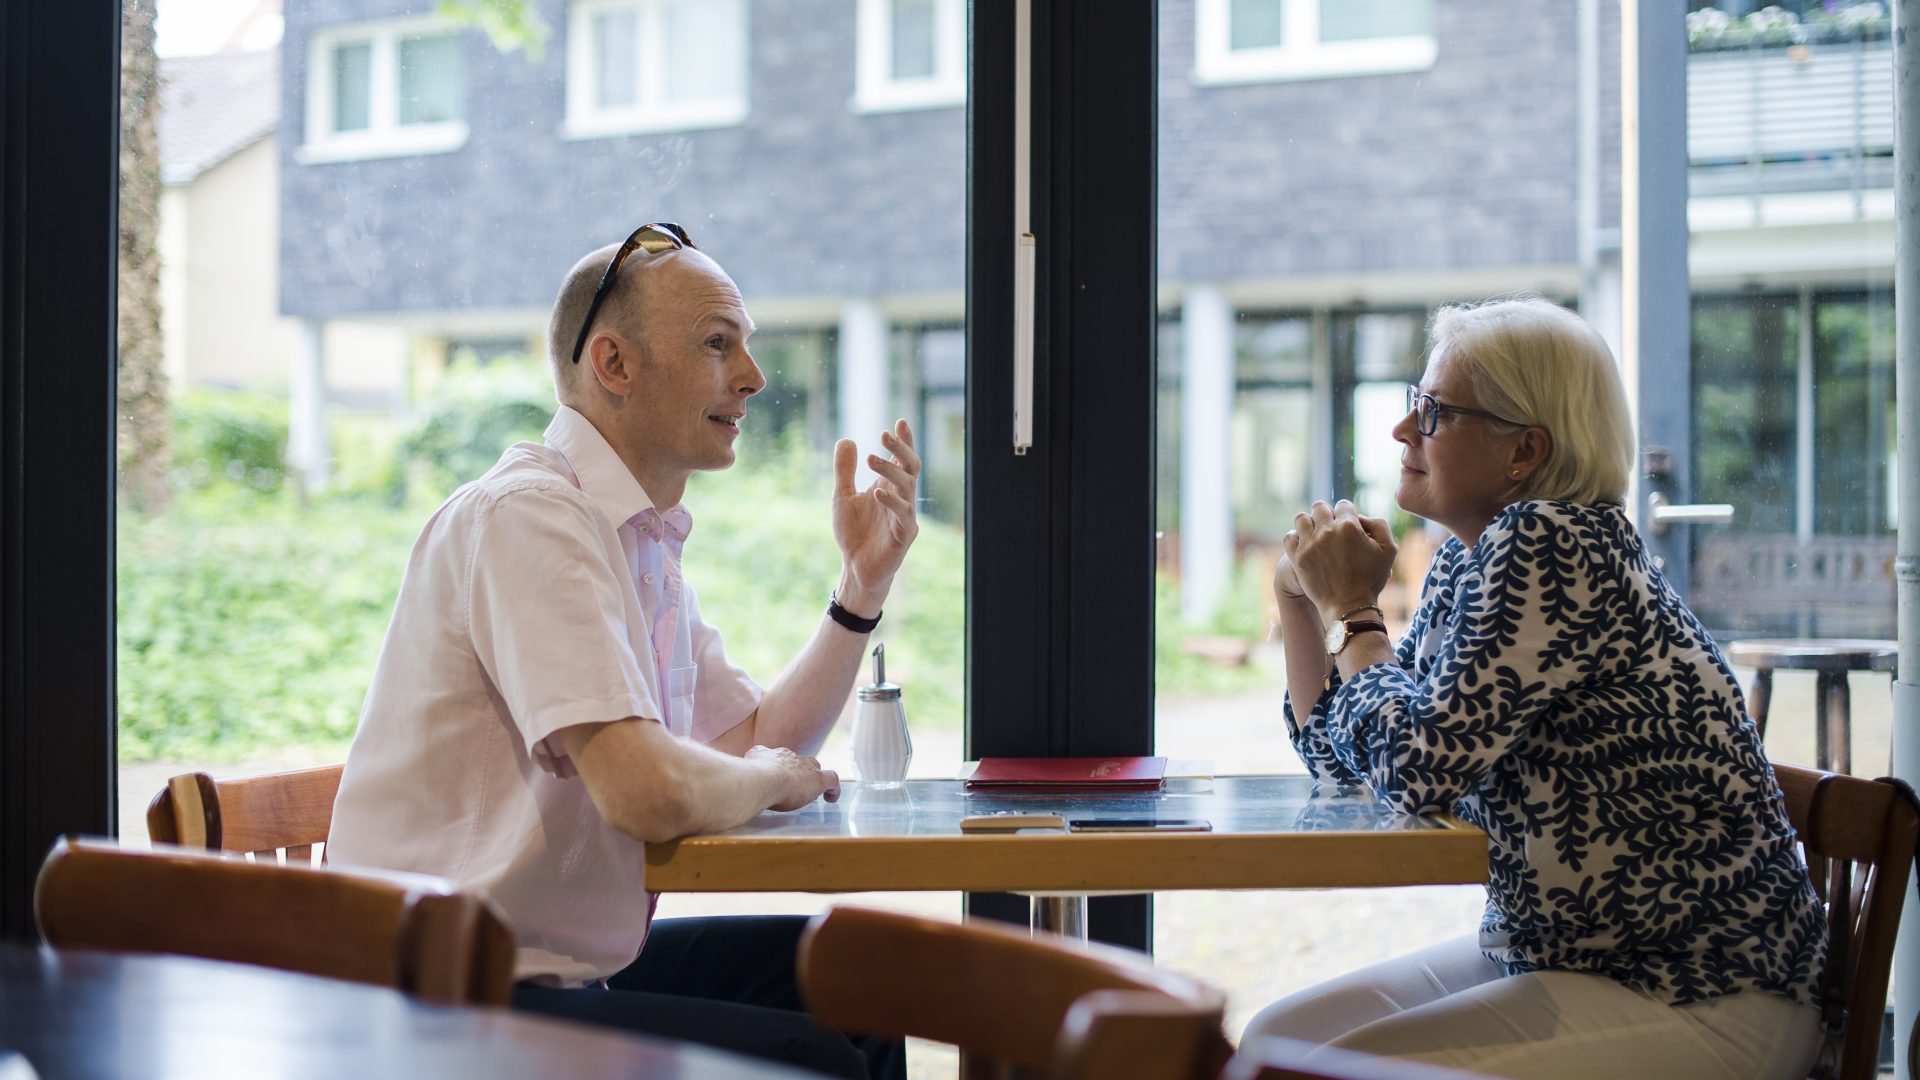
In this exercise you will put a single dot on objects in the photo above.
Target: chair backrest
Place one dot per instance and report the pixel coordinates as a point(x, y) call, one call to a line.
point(1859, 840)
point(1273, 1058)
point(263, 815)
point(407, 931)
point(1005, 998)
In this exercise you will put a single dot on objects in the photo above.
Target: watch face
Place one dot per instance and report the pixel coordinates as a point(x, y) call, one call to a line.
point(1336, 635)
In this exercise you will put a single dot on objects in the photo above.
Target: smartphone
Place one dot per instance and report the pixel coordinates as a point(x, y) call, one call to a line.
point(1140, 824)
point(1009, 821)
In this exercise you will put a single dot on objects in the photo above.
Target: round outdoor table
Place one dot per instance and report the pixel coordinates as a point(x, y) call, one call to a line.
point(1831, 660)
point(76, 1013)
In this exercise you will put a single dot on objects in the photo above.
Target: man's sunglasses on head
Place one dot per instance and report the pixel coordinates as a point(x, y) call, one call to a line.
point(652, 238)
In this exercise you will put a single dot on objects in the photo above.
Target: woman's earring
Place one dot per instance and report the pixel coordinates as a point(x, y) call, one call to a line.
point(1515, 474)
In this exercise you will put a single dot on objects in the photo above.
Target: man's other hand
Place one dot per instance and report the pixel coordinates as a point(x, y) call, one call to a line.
point(875, 527)
point(803, 778)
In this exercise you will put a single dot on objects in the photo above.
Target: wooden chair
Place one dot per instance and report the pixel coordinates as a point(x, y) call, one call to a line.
point(1273, 1058)
point(1008, 999)
point(1859, 840)
point(407, 931)
point(264, 815)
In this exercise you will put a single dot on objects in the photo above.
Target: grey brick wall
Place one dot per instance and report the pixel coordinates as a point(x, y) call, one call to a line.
point(805, 198)
point(1470, 164)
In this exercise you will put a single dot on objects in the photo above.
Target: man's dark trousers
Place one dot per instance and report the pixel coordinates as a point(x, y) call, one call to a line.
point(727, 982)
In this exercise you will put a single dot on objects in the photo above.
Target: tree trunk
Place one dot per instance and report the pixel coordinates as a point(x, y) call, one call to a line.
point(142, 396)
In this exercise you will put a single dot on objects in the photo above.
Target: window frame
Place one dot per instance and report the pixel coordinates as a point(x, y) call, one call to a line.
point(651, 112)
point(1301, 54)
point(58, 281)
point(384, 136)
point(875, 88)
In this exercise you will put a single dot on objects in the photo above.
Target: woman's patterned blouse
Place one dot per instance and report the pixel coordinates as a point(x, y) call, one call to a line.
point(1554, 691)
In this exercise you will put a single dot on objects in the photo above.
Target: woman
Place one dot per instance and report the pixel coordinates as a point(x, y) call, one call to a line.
point(1647, 914)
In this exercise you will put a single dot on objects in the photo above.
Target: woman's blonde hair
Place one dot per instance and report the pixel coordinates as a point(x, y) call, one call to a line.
point(1537, 363)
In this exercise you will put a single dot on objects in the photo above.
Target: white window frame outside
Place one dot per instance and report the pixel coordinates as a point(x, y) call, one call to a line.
point(385, 135)
point(1301, 54)
point(650, 111)
point(875, 88)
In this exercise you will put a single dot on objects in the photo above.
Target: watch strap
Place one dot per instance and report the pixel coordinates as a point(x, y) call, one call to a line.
point(1361, 626)
point(848, 619)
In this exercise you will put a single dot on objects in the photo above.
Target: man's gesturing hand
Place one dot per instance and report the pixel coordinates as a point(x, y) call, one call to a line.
point(874, 527)
point(803, 778)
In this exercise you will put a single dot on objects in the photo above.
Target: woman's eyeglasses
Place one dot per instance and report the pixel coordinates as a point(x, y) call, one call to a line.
point(653, 237)
point(1427, 412)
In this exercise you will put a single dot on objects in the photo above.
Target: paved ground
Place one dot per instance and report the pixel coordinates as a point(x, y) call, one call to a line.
point(1256, 946)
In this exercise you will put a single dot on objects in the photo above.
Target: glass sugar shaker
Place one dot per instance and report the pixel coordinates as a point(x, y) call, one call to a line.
point(881, 746)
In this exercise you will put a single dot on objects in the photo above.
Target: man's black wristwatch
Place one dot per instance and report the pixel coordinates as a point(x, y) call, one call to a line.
point(847, 618)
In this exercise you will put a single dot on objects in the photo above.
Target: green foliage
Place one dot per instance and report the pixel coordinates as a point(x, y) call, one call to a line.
point(223, 437)
point(510, 24)
point(1241, 613)
point(250, 624)
point(762, 558)
point(473, 413)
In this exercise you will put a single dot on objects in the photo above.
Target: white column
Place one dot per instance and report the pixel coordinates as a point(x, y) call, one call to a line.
point(1206, 459)
point(308, 451)
point(1601, 303)
point(864, 379)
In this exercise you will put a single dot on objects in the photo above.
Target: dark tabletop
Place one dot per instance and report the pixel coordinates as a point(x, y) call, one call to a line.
point(86, 1014)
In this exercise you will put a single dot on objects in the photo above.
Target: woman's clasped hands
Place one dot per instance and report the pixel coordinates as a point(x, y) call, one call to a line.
point(1336, 557)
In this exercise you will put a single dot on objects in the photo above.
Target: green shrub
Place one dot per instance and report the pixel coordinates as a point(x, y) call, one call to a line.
point(249, 623)
point(229, 437)
point(250, 626)
point(473, 413)
point(762, 558)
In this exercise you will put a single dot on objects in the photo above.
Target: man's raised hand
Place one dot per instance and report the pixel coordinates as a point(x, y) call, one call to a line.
point(875, 527)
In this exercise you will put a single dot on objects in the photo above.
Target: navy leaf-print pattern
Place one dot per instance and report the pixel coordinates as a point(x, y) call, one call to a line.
point(1554, 691)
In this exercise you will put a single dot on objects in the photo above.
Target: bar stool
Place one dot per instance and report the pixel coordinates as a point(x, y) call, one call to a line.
point(1830, 659)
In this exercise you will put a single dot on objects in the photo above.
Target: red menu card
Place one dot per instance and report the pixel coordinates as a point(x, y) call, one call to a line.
point(1070, 774)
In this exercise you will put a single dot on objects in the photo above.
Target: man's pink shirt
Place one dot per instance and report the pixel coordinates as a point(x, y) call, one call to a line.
point(546, 594)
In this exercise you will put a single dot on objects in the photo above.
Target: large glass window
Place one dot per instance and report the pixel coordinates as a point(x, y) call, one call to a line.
point(383, 89)
point(1262, 40)
point(655, 65)
point(346, 341)
point(1853, 415)
point(1272, 421)
point(1746, 386)
point(912, 54)
point(1793, 417)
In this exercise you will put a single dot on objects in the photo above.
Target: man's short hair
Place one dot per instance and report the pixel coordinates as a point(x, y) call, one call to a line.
point(570, 309)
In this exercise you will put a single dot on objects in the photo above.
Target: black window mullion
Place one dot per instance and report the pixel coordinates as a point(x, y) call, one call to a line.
point(59, 191)
point(1060, 540)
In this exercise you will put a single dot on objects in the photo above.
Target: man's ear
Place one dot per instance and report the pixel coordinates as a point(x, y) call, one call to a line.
point(612, 358)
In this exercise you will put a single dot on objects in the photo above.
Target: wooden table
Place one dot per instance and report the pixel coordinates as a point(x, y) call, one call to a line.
point(1269, 832)
point(88, 1014)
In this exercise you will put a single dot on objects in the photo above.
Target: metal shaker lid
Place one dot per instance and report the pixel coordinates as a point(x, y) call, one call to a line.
point(880, 689)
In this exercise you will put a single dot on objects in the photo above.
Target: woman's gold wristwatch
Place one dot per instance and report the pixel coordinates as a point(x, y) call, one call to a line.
point(1344, 627)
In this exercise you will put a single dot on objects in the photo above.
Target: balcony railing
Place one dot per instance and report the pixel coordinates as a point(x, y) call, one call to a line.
point(1771, 120)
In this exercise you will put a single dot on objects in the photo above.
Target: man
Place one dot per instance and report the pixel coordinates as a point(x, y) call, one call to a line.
point(549, 699)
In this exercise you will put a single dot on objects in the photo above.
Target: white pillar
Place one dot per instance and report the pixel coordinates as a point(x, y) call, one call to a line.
point(1206, 459)
point(1906, 564)
point(864, 380)
point(308, 452)
point(1601, 303)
